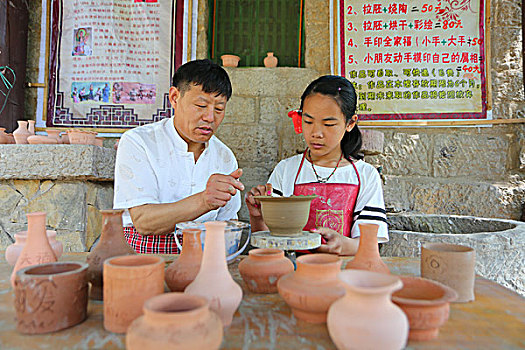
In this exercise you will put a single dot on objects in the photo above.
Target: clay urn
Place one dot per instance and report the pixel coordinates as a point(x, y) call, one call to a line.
point(4, 139)
point(54, 134)
point(367, 256)
point(214, 281)
point(366, 318)
point(129, 281)
point(13, 251)
point(37, 249)
point(111, 243)
point(262, 269)
point(451, 264)
point(31, 126)
point(313, 287)
point(41, 140)
point(285, 216)
point(175, 321)
point(230, 60)
point(183, 271)
point(426, 304)
point(50, 297)
point(81, 137)
point(21, 133)
point(270, 60)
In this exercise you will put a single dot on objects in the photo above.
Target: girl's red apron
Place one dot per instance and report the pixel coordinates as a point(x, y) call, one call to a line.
point(335, 203)
point(151, 244)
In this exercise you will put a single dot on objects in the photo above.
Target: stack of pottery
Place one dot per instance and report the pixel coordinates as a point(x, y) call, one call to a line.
point(111, 243)
point(313, 287)
point(21, 133)
point(81, 137)
point(13, 251)
point(367, 256)
point(184, 270)
point(262, 269)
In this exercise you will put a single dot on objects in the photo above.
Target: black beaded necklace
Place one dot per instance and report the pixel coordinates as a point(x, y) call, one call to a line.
point(323, 179)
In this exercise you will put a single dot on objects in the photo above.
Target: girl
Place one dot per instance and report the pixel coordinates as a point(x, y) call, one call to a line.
point(348, 189)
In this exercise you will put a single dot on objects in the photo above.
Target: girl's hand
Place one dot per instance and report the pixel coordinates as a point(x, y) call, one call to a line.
point(254, 206)
point(334, 241)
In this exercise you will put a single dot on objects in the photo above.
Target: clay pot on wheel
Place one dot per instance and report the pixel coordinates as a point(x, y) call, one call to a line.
point(183, 271)
point(262, 269)
point(367, 256)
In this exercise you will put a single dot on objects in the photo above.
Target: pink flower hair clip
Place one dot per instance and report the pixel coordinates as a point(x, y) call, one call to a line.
point(297, 117)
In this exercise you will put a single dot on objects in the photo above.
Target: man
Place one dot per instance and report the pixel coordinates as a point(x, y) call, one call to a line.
point(176, 170)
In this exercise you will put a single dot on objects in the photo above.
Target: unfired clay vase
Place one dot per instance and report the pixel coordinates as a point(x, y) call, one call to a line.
point(31, 126)
point(426, 304)
point(4, 139)
point(366, 318)
point(230, 60)
point(262, 269)
point(50, 297)
point(128, 282)
point(270, 60)
point(214, 281)
point(37, 249)
point(450, 264)
point(313, 287)
point(285, 216)
point(367, 256)
point(175, 321)
point(13, 251)
point(183, 271)
point(21, 133)
point(111, 243)
point(81, 137)
point(41, 140)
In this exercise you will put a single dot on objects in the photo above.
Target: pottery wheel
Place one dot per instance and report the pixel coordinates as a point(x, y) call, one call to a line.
point(305, 241)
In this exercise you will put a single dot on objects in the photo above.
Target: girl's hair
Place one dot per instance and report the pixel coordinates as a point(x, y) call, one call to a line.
point(343, 92)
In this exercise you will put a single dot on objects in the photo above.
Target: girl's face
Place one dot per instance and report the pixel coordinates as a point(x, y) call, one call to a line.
point(324, 126)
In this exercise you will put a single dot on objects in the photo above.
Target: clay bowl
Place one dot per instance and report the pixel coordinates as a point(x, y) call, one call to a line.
point(426, 304)
point(285, 216)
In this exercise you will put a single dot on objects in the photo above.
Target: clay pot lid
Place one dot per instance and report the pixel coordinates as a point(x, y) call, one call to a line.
point(61, 268)
point(285, 199)
point(420, 291)
point(369, 282)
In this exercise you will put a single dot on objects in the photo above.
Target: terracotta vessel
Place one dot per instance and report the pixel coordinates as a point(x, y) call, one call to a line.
point(285, 216)
point(230, 60)
point(313, 287)
point(50, 297)
point(13, 251)
point(426, 304)
point(4, 139)
point(175, 321)
point(81, 137)
point(270, 60)
point(31, 126)
point(11, 139)
point(40, 140)
point(54, 134)
point(262, 269)
point(450, 264)
point(21, 133)
point(214, 281)
point(367, 256)
point(64, 139)
point(183, 271)
point(99, 141)
point(37, 249)
point(366, 318)
point(129, 281)
point(111, 243)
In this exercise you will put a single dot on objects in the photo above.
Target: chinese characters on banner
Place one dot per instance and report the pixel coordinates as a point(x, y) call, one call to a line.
point(115, 59)
point(414, 59)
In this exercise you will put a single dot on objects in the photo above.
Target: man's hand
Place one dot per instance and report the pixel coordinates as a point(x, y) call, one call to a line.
point(254, 206)
point(220, 189)
point(334, 241)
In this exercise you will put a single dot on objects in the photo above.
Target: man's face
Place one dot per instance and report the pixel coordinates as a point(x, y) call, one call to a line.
point(197, 114)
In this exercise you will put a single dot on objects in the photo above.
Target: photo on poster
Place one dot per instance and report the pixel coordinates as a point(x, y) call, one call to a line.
point(82, 42)
point(90, 91)
point(134, 93)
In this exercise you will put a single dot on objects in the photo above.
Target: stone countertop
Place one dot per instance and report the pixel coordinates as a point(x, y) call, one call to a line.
point(60, 162)
point(495, 320)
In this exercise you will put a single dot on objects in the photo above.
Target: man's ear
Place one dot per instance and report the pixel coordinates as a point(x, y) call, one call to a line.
point(174, 95)
point(352, 123)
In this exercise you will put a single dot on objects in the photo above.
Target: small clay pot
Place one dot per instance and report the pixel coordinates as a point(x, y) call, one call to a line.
point(313, 287)
point(4, 139)
point(262, 269)
point(175, 321)
point(50, 297)
point(128, 282)
point(41, 140)
point(13, 251)
point(54, 134)
point(81, 137)
point(21, 133)
point(183, 271)
point(367, 256)
point(270, 60)
point(230, 60)
point(426, 304)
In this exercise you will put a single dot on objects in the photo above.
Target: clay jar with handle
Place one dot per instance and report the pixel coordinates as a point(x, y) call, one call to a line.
point(451, 264)
point(175, 321)
point(366, 318)
point(262, 269)
point(183, 271)
point(21, 133)
point(129, 281)
point(111, 243)
point(214, 281)
point(367, 256)
point(426, 304)
point(50, 297)
point(313, 287)
point(270, 60)
point(13, 251)
point(37, 249)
